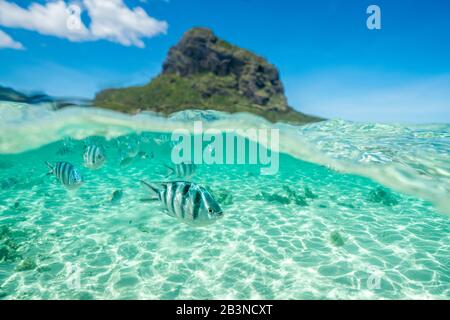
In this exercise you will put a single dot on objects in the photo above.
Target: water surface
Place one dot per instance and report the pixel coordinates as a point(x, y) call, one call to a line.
point(356, 211)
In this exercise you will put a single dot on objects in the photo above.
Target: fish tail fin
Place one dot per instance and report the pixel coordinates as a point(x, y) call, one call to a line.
point(50, 167)
point(151, 187)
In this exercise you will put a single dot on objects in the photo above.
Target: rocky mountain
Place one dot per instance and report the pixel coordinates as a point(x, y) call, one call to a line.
point(205, 72)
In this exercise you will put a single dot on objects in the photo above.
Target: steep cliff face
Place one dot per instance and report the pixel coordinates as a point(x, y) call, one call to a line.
point(200, 51)
point(205, 72)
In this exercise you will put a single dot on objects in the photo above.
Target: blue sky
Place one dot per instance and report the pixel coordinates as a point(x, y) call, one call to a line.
point(331, 64)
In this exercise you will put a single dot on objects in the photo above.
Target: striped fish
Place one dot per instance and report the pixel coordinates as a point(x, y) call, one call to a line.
point(187, 201)
point(66, 173)
point(182, 170)
point(93, 157)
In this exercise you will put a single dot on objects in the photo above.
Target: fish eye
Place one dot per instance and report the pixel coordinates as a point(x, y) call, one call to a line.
point(210, 210)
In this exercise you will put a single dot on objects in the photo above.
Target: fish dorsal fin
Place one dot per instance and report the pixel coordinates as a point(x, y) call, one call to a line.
point(151, 186)
point(170, 171)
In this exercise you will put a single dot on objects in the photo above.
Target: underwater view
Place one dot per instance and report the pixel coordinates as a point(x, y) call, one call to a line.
point(233, 157)
point(355, 211)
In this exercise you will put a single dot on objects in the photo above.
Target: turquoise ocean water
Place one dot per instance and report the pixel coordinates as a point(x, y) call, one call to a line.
point(356, 211)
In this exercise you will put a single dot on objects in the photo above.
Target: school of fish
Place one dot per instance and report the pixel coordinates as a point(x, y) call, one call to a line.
point(186, 201)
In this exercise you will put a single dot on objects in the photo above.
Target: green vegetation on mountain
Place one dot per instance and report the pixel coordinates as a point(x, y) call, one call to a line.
point(205, 72)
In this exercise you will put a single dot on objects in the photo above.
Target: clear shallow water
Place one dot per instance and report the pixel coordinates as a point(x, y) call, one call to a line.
point(342, 235)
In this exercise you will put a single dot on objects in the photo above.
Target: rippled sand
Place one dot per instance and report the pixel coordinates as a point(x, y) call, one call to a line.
point(352, 239)
point(322, 228)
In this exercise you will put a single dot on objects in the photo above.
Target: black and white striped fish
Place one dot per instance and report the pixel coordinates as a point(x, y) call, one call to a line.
point(93, 157)
point(182, 170)
point(187, 201)
point(66, 173)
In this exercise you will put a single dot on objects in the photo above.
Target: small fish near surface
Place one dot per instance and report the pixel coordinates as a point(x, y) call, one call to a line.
point(162, 139)
point(126, 161)
point(66, 173)
point(94, 157)
point(129, 148)
point(187, 201)
point(182, 170)
point(141, 155)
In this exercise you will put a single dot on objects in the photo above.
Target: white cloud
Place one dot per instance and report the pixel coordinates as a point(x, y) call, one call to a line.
point(7, 42)
point(114, 21)
point(49, 19)
point(111, 20)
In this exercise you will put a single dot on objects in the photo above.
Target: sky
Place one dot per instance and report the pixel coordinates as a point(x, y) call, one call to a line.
point(330, 62)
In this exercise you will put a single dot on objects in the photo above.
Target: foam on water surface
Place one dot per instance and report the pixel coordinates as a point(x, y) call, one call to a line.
point(365, 215)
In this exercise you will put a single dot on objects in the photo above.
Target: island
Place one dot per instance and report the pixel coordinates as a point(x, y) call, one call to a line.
point(204, 72)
